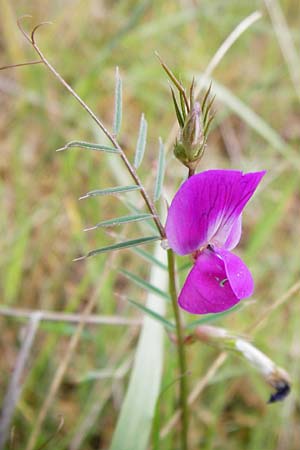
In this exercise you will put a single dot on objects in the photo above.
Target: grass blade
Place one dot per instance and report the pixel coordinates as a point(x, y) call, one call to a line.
point(89, 146)
point(166, 323)
point(138, 409)
point(256, 122)
point(160, 171)
point(120, 221)
point(141, 142)
point(118, 104)
point(274, 212)
point(145, 284)
point(120, 246)
point(111, 191)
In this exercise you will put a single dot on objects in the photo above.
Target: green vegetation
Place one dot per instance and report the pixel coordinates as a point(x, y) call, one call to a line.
point(81, 373)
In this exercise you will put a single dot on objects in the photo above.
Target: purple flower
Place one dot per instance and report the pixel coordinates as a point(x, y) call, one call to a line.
point(205, 219)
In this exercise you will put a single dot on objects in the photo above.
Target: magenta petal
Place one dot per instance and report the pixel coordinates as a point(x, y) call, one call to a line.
point(235, 234)
point(206, 207)
point(217, 282)
point(238, 274)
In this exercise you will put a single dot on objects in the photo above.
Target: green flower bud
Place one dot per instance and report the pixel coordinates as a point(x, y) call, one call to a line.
point(190, 146)
point(192, 135)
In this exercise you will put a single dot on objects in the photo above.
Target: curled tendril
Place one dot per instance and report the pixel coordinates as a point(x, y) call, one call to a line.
point(25, 16)
point(32, 41)
point(30, 38)
point(32, 35)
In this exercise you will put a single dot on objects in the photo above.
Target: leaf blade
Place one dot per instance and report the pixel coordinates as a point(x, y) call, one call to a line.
point(141, 142)
point(89, 146)
point(120, 246)
point(145, 284)
point(118, 103)
point(212, 317)
point(166, 323)
point(120, 221)
point(149, 257)
point(177, 110)
point(111, 191)
point(160, 171)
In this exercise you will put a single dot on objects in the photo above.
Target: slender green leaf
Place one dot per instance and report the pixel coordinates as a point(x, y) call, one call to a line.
point(184, 106)
point(135, 421)
point(205, 98)
point(118, 104)
point(206, 114)
point(160, 172)
point(141, 142)
point(120, 246)
point(111, 191)
point(192, 94)
point(121, 221)
point(132, 207)
point(89, 146)
point(213, 317)
point(145, 284)
point(177, 110)
point(173, 78)
point(149, 257)
point(166, 323)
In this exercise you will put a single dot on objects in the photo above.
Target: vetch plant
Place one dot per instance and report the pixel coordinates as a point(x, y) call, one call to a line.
point(204, 220)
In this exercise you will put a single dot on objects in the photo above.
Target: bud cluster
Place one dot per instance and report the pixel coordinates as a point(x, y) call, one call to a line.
point(194, 126)
point(194, 119)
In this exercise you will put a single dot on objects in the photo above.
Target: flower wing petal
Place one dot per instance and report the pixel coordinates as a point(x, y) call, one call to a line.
point(238, 274)
point(217, 282)
point(206, 207)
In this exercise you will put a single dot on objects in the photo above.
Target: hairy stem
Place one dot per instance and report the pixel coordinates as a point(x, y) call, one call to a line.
point(109, 135)
point(191, 172)
point(181, 352)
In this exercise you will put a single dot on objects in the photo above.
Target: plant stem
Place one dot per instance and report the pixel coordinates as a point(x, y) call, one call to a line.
point(131, 169)
point(191, 172)
point(181, 352)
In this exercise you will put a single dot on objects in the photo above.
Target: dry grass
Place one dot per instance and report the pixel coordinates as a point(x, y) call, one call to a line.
point(42, 220)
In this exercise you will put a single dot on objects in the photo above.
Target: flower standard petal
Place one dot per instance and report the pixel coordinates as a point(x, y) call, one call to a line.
point(217, 282)
point(206, 207)
point(235, 234)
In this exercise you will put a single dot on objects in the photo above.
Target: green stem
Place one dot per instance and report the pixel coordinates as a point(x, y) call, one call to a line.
point(181, 352)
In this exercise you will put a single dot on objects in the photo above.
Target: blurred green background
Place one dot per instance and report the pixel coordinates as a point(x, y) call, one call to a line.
point(256, 127)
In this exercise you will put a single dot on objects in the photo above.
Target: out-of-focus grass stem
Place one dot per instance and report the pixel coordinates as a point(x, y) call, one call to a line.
point(181, 352)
